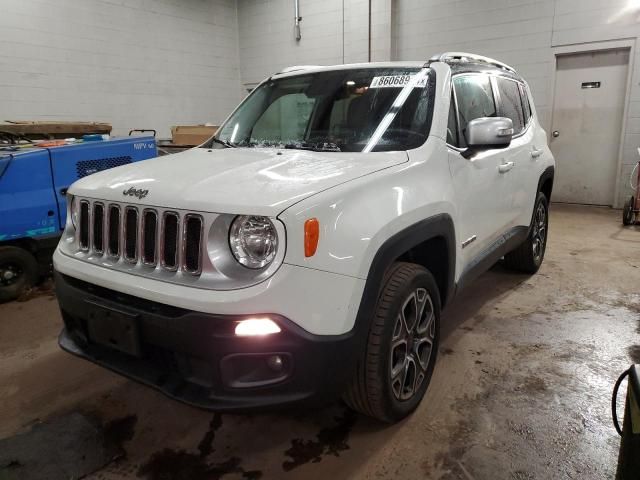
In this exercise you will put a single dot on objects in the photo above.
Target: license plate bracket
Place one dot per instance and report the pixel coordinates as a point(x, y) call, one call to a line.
point(114, 328)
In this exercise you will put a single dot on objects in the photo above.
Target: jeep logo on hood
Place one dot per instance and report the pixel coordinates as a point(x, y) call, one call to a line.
point(133, 192)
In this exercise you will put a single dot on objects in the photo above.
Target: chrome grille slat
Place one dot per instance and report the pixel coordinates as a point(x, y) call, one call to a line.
point(113, 229)
point(191, 242)
point(130, 234)
point(169, 241)
point(149, 239)
point(98, 227)
point(84, 225)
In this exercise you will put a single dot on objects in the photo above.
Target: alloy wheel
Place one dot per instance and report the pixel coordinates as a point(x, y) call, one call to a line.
point(539, 236)
point(412, 344)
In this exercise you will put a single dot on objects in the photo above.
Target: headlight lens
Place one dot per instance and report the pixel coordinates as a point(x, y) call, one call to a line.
point(253, 241)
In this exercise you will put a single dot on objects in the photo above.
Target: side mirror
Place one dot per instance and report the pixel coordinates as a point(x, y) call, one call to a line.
point(489, 132)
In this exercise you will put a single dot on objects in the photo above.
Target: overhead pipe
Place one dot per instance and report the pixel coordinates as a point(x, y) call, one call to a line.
point(297, 20)
point(369, 30)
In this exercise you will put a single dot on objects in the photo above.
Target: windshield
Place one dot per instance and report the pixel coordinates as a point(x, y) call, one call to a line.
point(369, 109)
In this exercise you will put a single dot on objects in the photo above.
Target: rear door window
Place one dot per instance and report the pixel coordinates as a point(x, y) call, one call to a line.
point(475, 100)
point(510, 103)
point(526, 105)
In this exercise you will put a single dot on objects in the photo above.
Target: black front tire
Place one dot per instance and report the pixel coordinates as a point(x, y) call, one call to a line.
point(627, 212)
point(394, 371)
point(528, 256)
point(18, 272)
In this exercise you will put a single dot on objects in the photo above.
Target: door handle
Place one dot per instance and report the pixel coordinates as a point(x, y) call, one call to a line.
point(535, 153)
point(555, 134)
point(505, 167)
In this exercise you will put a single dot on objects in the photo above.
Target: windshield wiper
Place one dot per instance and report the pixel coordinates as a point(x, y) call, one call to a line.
point(316, 147)
point(222, 142)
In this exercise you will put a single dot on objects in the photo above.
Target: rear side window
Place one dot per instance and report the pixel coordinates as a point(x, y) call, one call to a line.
point(475, 100)
point(526, 105)
point(511, 104)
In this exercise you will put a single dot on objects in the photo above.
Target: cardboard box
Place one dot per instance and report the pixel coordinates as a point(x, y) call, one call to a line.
point(191, 135)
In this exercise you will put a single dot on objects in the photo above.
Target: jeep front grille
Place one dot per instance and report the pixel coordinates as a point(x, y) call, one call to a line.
point(154, 238)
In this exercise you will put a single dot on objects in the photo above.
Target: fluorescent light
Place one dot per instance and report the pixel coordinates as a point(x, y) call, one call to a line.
point(254, 327)
point(632, 9)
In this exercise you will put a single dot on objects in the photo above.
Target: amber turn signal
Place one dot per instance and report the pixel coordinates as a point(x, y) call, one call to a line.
point(311, 236)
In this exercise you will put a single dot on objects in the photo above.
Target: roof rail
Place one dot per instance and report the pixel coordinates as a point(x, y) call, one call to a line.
point(453, 57)
point(295, 68)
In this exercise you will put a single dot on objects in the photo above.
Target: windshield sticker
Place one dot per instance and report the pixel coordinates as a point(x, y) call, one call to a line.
point(397, 81)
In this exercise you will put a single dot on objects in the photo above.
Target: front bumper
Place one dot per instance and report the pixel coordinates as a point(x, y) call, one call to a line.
point(194, 357)
point(322, 303)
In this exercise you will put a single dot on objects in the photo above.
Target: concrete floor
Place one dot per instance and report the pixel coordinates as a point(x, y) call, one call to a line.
point(521, 389)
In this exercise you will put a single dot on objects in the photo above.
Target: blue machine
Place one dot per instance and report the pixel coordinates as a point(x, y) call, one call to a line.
point(33, 204)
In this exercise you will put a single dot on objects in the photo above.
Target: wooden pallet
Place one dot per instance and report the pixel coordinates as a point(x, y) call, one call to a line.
point(39, 130)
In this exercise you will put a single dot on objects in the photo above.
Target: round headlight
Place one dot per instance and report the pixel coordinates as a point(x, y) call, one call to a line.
point(253, 241)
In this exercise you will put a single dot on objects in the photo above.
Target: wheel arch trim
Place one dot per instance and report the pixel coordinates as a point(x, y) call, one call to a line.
point(547, 174)
point(437, 226)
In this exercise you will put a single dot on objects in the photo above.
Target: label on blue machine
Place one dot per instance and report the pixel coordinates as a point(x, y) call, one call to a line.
point(144, 145)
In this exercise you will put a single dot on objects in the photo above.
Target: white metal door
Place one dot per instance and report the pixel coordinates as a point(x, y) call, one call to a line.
point(482, 188)
point(481, 183)
point(587, 122)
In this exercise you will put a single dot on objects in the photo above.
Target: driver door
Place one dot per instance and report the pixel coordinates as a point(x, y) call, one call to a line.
point(480, 183)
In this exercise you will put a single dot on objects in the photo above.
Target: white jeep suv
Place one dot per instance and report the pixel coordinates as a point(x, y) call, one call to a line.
point(306, 250)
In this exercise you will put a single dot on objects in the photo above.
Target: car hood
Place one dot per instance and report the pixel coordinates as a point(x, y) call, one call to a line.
point(233, 180)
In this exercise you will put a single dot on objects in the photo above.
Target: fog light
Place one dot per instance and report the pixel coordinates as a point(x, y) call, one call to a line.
point(253, 327)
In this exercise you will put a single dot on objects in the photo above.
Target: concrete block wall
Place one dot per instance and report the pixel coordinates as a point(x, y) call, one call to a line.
point(356, 31)
point(524, 33)
point(333, 32)
point(381, 30)
point(134, 63)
